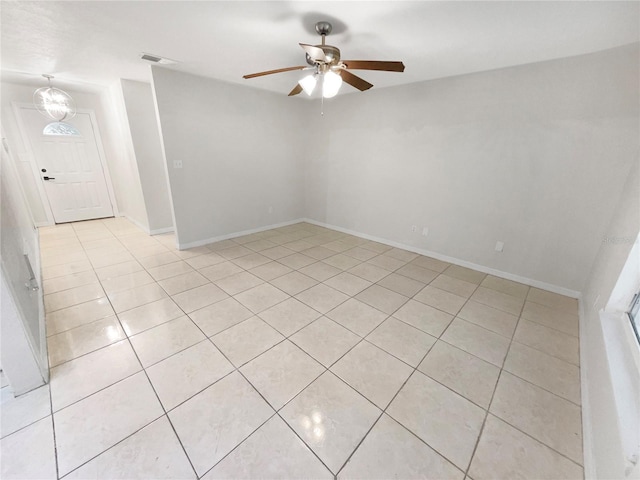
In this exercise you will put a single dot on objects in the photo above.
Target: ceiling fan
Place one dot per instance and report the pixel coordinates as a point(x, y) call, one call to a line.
point(325, 62)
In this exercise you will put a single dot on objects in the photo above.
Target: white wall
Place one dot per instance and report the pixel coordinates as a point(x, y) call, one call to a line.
point(18, 359)
point(123, 165)
point(526, 155)
point(611, 378)
point(242, 151)
point(102, 104)
point(145, 138)
point(24, 169)
point(23, 348)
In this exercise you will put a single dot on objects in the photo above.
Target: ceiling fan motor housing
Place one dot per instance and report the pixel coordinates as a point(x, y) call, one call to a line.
point(323, 28)
point(332, 53)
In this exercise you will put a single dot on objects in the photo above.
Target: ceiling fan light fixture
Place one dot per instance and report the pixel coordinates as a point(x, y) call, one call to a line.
point(331, 84)
point(326, 61)
point(308, 83)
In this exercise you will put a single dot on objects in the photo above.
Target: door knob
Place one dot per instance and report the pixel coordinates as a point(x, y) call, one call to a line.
point(48, 178)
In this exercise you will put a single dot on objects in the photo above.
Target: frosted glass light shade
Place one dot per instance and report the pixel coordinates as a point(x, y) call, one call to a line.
point(331, 84)
point(308, 84)
point(54, 103)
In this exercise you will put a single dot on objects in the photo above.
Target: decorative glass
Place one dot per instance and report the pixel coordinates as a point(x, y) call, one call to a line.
point(60, 128)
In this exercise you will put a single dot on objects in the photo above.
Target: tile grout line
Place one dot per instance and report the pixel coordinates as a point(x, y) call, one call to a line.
point(53, 424)
point(321, 315)
point(34, 421)
point(341, 325)
point(233, 296)
point(327, 369)
point(495, 387)
point(237, 369)
point(502, 369)
point(50, 390)
point(277, 412)
point(493, 395)
point(384, 411)
point(158, 399)
point(175, 353)
point(153, 389)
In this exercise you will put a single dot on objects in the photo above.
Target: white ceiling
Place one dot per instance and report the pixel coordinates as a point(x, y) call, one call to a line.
point(91, 44)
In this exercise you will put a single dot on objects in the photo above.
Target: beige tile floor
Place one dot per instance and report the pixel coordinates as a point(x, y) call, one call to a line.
point(298, 352)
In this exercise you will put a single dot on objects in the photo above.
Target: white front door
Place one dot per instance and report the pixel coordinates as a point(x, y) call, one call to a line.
point(69, 167)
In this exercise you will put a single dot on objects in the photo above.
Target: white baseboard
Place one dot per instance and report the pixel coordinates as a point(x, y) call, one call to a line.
point(157, 231)
point(160, 231)
point(136, 223)
point(456, 261)
point(199, 243)
point(146, 229)
point(445, 258)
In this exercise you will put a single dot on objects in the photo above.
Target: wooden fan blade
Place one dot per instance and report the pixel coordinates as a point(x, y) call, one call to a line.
point(296, 90)
point(354, 80)
point(374, 65)
point(269, 72)
point(316, 53)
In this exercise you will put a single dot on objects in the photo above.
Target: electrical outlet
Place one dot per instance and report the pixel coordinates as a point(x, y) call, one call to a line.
point(177, 164)
point(414, 228)
point(499, 246)
point(425, 232)
point(270, 209)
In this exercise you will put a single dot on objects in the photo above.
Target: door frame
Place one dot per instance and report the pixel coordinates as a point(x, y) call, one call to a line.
point(44, 199)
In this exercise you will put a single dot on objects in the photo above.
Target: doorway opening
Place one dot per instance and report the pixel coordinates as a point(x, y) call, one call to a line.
point(69, 165)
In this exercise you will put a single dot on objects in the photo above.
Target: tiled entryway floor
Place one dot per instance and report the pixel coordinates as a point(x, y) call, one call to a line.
point(298, 352)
